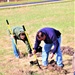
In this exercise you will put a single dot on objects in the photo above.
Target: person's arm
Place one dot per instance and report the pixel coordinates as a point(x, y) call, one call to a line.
point(37, 43)
point(53, 37)
point(55, 42)
point(14, 38)
point(14, 46)
point(28, 45)
point(54, 49)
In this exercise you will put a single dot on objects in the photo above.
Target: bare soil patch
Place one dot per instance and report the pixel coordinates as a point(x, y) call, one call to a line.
point(14, 66)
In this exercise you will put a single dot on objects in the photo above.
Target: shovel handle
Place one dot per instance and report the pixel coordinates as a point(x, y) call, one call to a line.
point(7, 22)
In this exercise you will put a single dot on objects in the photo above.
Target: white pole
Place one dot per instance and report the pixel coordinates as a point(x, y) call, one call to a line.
point(7, 0)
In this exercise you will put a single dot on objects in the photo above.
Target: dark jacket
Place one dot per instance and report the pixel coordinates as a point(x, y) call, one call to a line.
point(51, 37)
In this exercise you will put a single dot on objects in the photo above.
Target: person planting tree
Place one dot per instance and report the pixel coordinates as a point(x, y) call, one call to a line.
point(51, 37)
point(19, 34)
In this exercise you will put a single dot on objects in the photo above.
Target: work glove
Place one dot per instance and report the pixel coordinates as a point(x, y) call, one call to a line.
point(34, 52)
point(11, 36)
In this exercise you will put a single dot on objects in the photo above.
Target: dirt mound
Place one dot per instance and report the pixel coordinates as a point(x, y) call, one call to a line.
point(67, 50)
point(53, 66)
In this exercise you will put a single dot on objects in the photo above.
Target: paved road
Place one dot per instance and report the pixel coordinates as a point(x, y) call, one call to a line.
point(26, 4)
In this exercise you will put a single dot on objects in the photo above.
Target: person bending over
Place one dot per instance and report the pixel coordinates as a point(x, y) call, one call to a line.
point(51, 37)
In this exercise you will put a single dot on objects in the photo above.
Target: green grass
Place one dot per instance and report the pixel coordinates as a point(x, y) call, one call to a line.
point(58, 15)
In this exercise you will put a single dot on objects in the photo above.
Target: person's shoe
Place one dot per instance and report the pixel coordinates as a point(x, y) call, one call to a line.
point(59, 68)
point(62, 66)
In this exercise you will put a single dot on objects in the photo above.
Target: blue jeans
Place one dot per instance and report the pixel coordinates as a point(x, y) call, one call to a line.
point(16, 53)
point(45, 53)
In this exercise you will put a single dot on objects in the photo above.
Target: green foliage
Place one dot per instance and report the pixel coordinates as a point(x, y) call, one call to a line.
point(57, 15)
point(1, 73)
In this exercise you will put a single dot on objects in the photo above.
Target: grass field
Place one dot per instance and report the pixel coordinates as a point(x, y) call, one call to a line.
point(58, 15)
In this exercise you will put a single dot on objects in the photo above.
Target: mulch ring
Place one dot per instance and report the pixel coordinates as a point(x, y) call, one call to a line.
point(67, 50)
